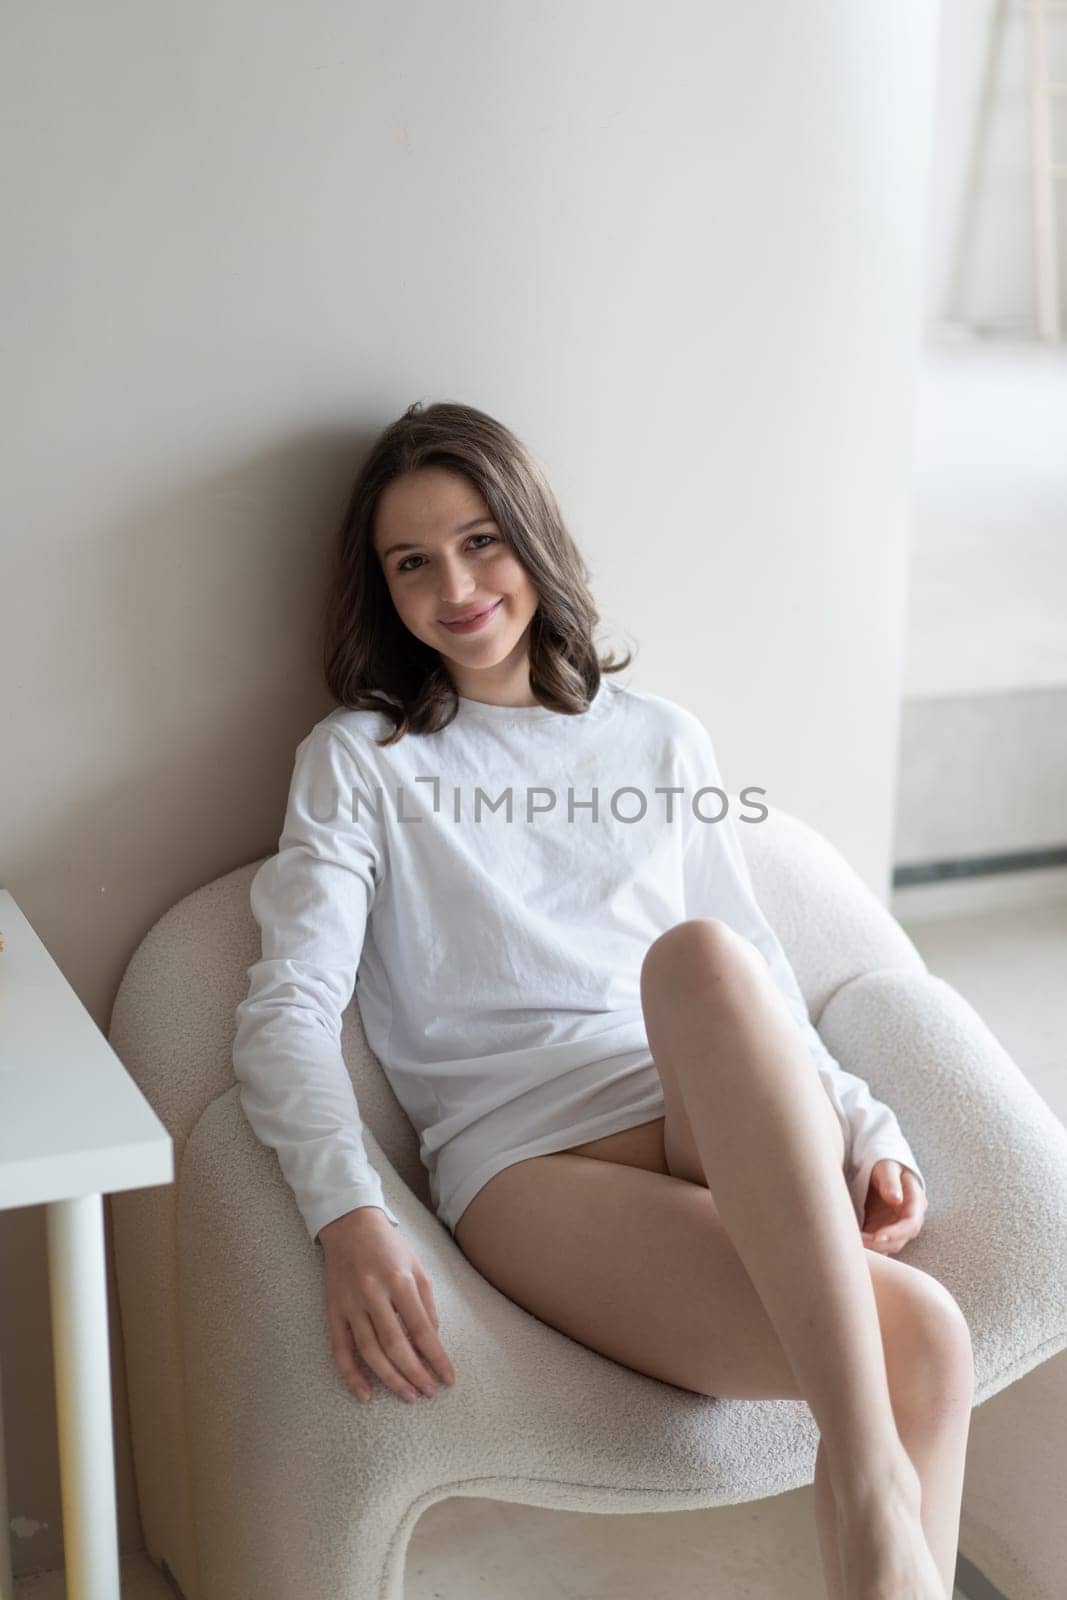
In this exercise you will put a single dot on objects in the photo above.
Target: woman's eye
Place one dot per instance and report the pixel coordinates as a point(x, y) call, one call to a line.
point(402, 566)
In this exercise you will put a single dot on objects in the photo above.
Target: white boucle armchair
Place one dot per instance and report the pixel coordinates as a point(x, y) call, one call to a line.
point(261, 1477)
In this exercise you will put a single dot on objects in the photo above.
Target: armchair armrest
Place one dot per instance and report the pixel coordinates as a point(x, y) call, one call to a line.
point(993, 1152)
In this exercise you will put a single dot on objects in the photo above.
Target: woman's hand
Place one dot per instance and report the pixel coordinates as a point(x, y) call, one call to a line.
point(896, 1206)
point(373, 1280)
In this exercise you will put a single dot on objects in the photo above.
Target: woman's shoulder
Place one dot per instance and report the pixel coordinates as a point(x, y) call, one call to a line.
point(359, 723)
point(344, 731)
point(665, 715)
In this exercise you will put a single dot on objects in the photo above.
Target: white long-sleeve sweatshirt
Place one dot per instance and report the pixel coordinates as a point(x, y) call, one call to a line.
point(488, 893)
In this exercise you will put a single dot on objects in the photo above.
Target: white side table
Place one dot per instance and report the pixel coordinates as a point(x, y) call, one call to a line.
point(73, 1127)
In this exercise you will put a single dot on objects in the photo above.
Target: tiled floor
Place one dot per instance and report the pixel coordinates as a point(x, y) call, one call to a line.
point(1009, 964)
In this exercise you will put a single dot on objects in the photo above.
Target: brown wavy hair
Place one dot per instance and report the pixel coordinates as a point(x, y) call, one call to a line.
point(372, 661)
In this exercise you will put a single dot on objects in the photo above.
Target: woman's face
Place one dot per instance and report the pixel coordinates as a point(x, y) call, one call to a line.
point(444, 558)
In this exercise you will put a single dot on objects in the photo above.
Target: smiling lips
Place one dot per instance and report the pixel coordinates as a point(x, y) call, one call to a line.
point(472, 620)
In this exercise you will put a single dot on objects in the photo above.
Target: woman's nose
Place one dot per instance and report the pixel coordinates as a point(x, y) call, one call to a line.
point(456, 585)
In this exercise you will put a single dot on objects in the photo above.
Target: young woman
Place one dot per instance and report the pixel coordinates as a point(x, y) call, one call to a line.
point(630, 1125)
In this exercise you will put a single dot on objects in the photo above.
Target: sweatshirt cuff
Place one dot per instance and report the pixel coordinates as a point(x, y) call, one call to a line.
point(318, 1215)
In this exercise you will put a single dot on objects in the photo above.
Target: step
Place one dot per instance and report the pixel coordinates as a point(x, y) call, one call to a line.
point(982, 784)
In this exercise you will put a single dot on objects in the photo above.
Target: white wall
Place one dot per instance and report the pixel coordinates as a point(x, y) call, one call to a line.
point(676, 247)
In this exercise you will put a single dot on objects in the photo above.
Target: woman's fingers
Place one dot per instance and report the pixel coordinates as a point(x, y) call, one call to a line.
point(396, 1340)
point(384, 1351)
point(905, 1219)
point(892, 1235)
point(422, 1331)
point(345, 1356)
point(426, 1291)
point(889, 1238)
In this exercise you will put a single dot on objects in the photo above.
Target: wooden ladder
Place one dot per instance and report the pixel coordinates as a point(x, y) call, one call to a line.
point(1045, 171)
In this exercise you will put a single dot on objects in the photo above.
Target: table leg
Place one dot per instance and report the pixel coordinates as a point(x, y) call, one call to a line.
point(7, 1585)
point(77, 1276)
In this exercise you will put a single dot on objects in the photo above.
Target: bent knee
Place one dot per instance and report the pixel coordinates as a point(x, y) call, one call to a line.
point(697, 945)
point(927, 1341)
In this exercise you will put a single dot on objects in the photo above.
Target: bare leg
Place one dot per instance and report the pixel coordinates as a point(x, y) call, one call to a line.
point(826, 1527)
point(935, 1438)
point(930, 1370)
point(652, 1280)
point(717, 1020)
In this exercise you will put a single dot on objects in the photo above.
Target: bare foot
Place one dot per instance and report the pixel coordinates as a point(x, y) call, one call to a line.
point(883, 1549)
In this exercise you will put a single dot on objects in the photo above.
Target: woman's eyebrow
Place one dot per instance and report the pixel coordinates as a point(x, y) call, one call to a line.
point(464, 528)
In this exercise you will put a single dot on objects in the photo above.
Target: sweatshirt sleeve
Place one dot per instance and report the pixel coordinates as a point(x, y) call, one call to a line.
point(718, 884)
point(311, 901)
